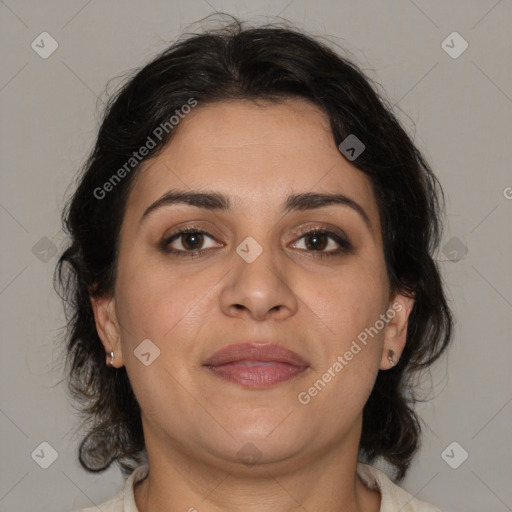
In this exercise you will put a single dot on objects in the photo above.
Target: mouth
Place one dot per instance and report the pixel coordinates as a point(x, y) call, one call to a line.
point(255, 365)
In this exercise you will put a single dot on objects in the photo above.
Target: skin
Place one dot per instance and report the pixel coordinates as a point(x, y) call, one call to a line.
point(195, 423)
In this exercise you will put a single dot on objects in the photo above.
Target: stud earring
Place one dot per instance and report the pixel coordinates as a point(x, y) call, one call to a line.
point(111, 362)
point(391, 353)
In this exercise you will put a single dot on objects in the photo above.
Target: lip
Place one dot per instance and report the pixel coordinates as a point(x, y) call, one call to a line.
point(256, 364)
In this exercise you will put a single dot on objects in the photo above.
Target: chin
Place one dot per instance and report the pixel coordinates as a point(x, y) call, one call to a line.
point(253, 452)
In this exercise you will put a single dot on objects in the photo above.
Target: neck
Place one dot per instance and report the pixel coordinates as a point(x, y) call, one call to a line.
point(328, 482)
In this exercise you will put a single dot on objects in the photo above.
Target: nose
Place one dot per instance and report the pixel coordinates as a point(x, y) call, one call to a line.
point(260, 289)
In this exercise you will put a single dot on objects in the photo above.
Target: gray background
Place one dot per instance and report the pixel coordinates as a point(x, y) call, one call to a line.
point(459, 110)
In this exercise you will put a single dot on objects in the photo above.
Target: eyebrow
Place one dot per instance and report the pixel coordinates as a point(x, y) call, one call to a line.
point(221, 202)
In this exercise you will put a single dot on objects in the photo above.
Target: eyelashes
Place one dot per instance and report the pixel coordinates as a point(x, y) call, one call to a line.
point(322, 239)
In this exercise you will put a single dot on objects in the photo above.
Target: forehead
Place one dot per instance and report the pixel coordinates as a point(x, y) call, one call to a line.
point(257, 153)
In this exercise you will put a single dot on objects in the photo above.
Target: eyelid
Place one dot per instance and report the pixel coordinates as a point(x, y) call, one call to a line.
point(192, 226)
point(311, 228)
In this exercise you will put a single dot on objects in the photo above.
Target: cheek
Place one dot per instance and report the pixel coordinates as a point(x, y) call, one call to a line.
point(348, 301)
point(154, 300)
point(352, 346)
point(168, 310)
point(174, 312)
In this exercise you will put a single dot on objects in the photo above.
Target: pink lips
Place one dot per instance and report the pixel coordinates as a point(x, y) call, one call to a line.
point(255, 365)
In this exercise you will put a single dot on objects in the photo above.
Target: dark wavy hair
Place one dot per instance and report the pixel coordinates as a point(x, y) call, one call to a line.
point(270, 62)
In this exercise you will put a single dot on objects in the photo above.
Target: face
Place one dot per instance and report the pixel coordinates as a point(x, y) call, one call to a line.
point(249, 272)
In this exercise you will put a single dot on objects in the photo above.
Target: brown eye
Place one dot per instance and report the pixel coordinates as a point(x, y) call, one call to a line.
point(316, 241)
point(320, 240)
point(187, 242)
point(192, 241)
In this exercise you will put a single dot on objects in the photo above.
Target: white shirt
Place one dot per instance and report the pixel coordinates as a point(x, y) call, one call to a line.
point(393, 498)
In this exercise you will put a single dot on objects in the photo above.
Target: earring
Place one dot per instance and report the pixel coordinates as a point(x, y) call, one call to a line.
point(111, 362)
point(391, 353)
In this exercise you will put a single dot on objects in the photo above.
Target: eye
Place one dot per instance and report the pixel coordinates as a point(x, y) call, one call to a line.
point(187, 242)
point(323, 242)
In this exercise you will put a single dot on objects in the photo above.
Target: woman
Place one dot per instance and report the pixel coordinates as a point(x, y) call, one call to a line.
point(250, 282)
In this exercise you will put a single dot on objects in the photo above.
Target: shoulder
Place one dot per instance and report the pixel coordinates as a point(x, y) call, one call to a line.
point(393, 497)
point(124, 500)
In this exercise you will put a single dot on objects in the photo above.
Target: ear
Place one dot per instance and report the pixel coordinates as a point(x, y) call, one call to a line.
point(107, 325)
point(395, 334)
